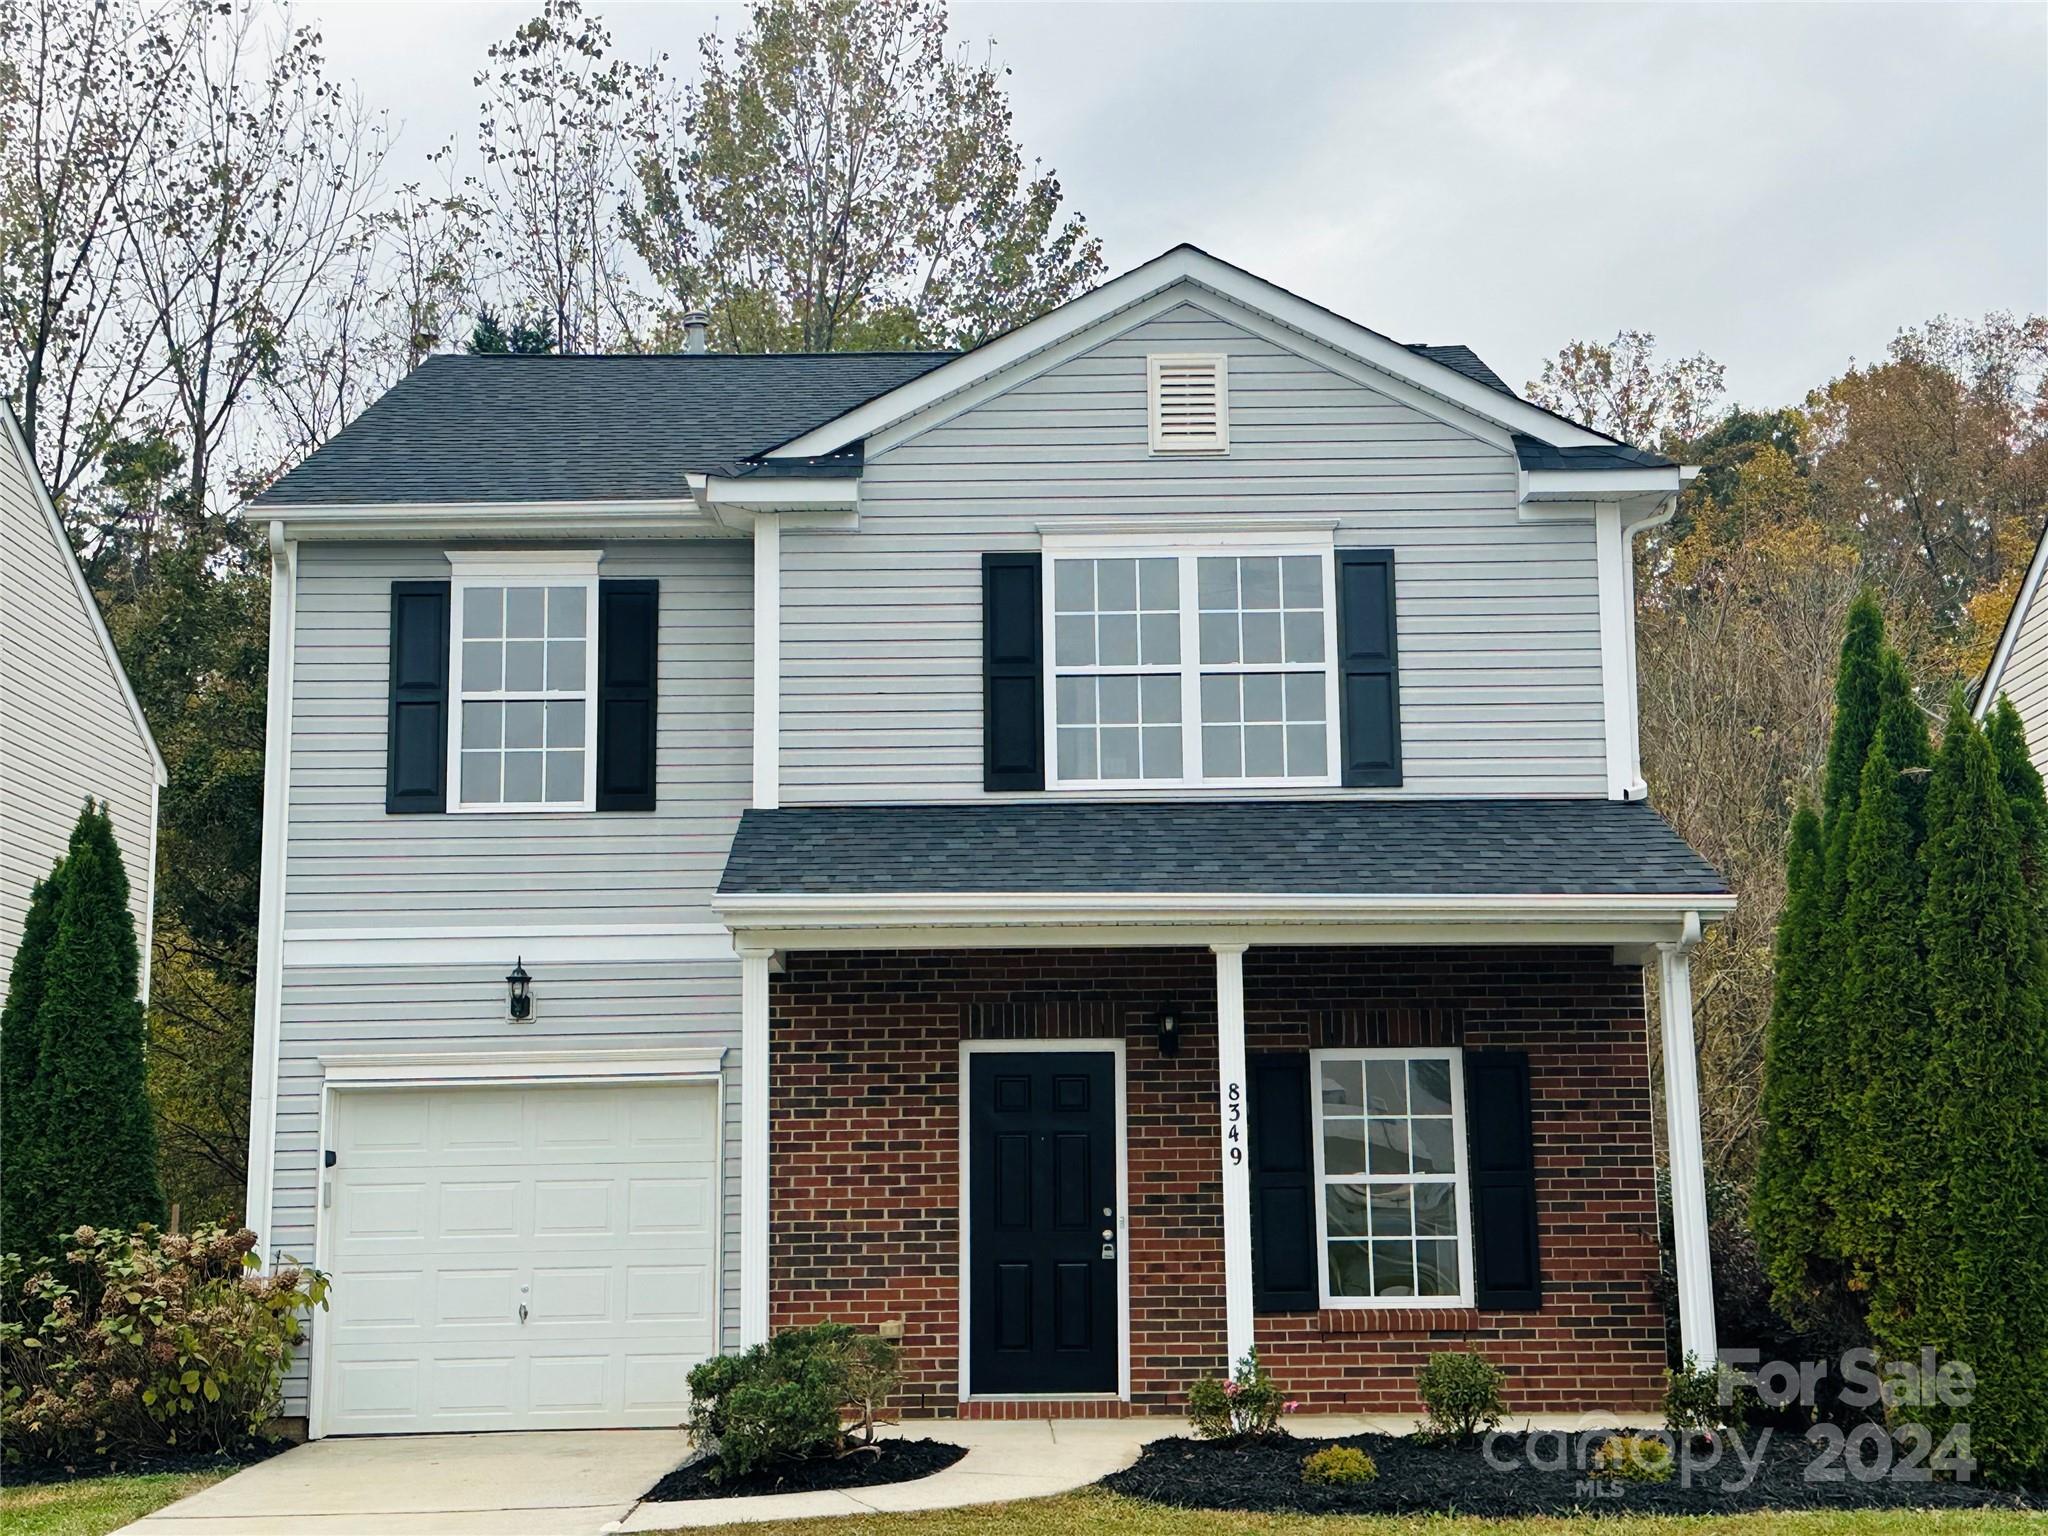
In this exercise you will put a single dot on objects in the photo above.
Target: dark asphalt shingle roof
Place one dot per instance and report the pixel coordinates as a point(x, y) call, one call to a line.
point(480, 429)
point(1540, 455)
point(1273, 847)
point(1465, 360)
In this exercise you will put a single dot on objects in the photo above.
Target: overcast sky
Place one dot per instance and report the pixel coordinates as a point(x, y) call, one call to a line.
point(1780, 186)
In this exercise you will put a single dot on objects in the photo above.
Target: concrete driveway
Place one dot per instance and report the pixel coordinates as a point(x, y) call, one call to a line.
point(557, 1483)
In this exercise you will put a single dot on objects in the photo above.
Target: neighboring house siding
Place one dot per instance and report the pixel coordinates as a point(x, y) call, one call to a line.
point(1498, 619)
point(350, 864)
point(66, 729)
point(334, 1012)
point(2025, 678)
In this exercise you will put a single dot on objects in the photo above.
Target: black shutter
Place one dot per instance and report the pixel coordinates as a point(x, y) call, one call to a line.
point(628, 622)
point(1013, 674)
point(1371, 695)
point(1503, 1150)
point(416, 735)
point(1283, 1185)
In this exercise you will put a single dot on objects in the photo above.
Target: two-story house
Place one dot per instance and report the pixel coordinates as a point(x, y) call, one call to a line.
point(1086, 855)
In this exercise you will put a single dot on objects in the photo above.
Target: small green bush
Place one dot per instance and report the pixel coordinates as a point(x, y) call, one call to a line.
point(1461, 1390)
point(1338, 1466)
point(782, 1401)
point(1632, 1459)
point(1693, 1408)
point(144, 1344)
point(1246, 1407)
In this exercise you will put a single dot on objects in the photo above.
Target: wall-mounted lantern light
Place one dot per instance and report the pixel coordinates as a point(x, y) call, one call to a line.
point(1169, 1030)
point(517, 985)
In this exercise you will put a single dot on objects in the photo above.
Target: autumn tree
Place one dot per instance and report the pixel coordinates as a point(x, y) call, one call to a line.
point(87, 92)
point(1621, 387)
point(554, 128)
point(842, 178)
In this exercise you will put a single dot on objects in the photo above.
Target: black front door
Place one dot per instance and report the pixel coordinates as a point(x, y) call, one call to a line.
point(1042, 1221)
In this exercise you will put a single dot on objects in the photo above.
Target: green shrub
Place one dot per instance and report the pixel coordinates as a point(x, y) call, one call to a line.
point(1692, 1400)
point(1338, 1466)
point(145, 1344)
point(1461, 1390)
point(782, 1401)
point(1246, 1407)
point(1632, 1459)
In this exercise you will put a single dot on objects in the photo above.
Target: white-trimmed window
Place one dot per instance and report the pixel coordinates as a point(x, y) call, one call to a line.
point(1192, 666)
point(1393, 1219)
point(524, 676)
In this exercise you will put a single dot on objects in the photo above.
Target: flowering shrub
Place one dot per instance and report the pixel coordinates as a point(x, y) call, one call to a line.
point(1246, 1407)
point(145, 1343)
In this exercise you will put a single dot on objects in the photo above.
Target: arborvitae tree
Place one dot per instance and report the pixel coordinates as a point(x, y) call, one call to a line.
point(1859, 702)
point(1787, 1205)
point(20, 1048)
point(1975, 1242)
point(2024, 793)
point(95, 1160)
point(1903, 724)
point(1885, 1146)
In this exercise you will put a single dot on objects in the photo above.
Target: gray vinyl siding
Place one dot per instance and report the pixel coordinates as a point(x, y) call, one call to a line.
point(1498, 619)
point(349, 864)
point(334, 1012)
point(2025, 678)
point(66, 731)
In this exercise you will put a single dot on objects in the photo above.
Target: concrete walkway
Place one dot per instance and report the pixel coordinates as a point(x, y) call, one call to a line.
point(554, 1483)
point(1026, 1459)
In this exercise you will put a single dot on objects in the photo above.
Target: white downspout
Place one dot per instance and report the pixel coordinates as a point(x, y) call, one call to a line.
point(1637, 789)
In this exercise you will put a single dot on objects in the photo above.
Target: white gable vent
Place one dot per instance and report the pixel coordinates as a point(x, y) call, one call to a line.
point(1190, 402)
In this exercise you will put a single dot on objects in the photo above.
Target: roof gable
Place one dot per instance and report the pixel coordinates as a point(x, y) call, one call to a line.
point(17, 444)
point(1454, 376)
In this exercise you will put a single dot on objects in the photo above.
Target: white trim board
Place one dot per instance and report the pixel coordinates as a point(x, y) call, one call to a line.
point(618, 943)
point(269, 1011)
point(1185, 264)
point(1115, 1046)
point(2008, 637)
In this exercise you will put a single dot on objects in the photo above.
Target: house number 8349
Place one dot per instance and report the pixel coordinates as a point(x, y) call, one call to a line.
point(1233, 1122)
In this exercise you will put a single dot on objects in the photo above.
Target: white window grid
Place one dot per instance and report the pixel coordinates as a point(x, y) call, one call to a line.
point(515, 574)
point(1458, 1181)
point(1188, 667)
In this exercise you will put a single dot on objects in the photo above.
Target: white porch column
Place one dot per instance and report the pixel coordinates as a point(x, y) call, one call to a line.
point(1687, 1156)
point(767, 661)
point(1236, 1146)
point(754, 962)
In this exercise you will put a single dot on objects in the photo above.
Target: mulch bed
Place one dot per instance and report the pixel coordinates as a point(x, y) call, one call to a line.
point(888, 1461)
point(23, 1473)
point(1419, 1478)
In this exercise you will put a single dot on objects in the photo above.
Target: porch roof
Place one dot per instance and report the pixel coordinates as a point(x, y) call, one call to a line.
point(1273, 848)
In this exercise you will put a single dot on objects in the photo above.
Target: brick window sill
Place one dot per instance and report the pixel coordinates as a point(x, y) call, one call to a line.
point(1397, 1320)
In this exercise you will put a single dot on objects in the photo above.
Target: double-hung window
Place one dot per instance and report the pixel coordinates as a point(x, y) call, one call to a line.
point(1393, 1221)
point(525, 682)
point(1192, 666)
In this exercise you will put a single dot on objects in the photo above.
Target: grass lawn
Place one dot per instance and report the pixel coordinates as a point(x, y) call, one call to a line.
point(93, 1506)
point(1103, 1514)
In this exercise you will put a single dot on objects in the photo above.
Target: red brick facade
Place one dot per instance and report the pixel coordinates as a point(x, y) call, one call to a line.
point(866, 1198)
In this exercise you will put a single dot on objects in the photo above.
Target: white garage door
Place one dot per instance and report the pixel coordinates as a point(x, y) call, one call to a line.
point(519, 1258)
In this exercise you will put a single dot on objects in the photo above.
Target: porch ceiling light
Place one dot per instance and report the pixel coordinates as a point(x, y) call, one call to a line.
point(1169, 1030)
point(519, 1006)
